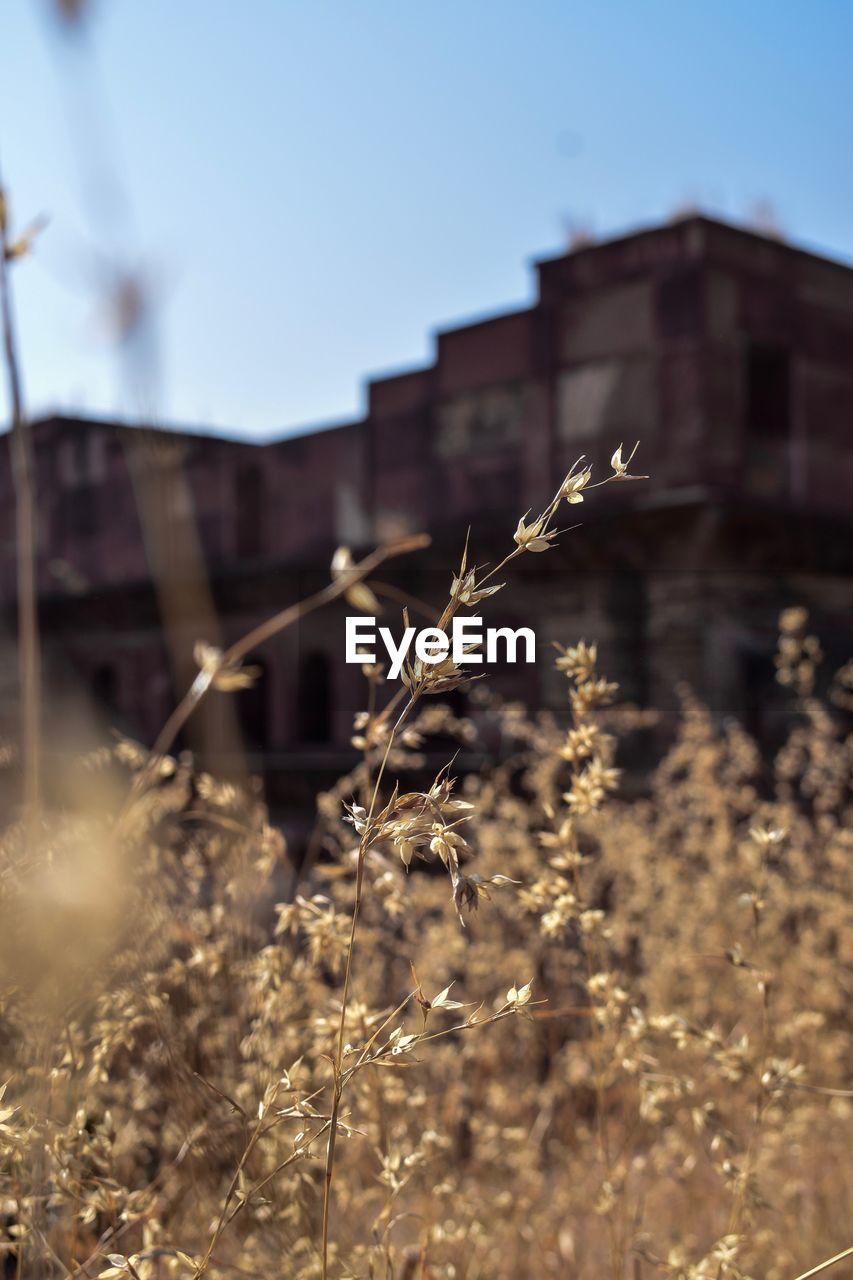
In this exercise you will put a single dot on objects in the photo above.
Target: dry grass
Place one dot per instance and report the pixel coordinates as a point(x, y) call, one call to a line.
point(510, 1026)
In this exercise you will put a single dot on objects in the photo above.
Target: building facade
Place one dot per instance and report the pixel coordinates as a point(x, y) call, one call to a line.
point(727, 354)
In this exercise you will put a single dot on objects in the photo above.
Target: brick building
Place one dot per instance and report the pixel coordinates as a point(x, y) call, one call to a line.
point(728, 354)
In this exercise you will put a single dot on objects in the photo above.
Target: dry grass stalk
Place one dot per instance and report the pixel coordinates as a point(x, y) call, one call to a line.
point(29, 653)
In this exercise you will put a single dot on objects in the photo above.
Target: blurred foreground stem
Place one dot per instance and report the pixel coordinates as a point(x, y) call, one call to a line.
point(29, 657)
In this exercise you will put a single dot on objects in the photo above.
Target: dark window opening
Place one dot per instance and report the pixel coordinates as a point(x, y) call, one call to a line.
point(457, 701)
point(314, 707)
point(105, 687)
point(768, 390)
point(680, 304)
point(253, 708)
point(625, 659)
point(79, 511)
point(765, 705)
point(250, 500)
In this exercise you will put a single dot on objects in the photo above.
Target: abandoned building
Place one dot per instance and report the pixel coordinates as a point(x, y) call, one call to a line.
point(728, 354)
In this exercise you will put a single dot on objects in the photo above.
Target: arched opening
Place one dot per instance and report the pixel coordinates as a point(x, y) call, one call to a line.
point(314, 701)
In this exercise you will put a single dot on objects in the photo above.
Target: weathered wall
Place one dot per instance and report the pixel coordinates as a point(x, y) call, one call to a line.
point(729, 355)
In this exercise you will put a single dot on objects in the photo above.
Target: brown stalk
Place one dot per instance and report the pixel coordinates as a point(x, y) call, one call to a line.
point(29, 654)
point(447, 614)
point(259, 635)
point(233, 655)
point(339, 1053)
point(824, 1266)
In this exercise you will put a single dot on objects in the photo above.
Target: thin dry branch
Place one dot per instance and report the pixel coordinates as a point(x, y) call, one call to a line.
point(29, 652)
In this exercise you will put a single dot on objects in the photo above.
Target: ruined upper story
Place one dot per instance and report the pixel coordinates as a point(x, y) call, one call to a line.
point(728, 354)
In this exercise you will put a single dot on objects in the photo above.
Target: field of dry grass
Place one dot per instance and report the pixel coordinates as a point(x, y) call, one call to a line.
point(511, 1025)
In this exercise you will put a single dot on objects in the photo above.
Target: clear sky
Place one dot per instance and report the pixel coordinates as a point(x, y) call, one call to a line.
point(313, 186)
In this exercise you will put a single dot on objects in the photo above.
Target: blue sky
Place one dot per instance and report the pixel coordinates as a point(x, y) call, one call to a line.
point(313, 188)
